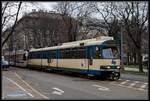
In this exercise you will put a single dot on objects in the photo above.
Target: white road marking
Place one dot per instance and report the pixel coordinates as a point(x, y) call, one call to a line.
point(101, 87)
point(3, 97)
point(136, 81)
point(128, 87)
point(142, 89)
point(132, 84)
point(31, 87)
point(16, 95)
point(19, 86)
point(124, 82)
point(58, 92)
point(143, 86)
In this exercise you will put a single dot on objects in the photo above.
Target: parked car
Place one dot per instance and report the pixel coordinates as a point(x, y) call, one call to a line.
point(145, 61)
point(5, 64)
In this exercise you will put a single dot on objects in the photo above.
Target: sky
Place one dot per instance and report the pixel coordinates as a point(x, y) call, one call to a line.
point(39, 5)
point(48, 5)
point(27, 7)
point(45, 6)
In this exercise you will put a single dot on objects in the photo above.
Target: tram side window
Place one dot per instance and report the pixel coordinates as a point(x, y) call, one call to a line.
point(34, 55)
point(97, 53)
point(31, 55)
point(44, 55)
point(78, 53)
point(37, 55)
point(67, 54)
point(73, 53)
point(64, 54)
point(24, 57)
point(40, 55)
point(47, 54)
point(82, 53)
point(53, 54)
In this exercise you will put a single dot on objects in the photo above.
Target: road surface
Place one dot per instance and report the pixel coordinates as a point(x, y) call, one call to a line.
point(18, 83)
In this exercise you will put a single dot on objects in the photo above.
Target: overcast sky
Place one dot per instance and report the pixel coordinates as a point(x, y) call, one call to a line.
point(49, 7)
point(29, 6)
point(39, 5)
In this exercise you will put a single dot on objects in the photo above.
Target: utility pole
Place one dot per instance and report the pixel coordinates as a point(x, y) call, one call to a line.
point(122, 65)
point(9, 53)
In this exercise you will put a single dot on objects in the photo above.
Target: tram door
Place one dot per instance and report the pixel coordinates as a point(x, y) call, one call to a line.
point(52, 58)
point(90, 54)
point(49, 59)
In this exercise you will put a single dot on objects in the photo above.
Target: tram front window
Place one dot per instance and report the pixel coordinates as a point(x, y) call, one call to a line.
point(110, 53)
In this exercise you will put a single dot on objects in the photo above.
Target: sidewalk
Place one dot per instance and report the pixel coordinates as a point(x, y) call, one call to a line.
point(134, 69)
point(134, 74)
point(134, 77)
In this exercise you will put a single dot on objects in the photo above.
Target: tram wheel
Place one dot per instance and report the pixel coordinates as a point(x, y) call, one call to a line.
point(115, 76)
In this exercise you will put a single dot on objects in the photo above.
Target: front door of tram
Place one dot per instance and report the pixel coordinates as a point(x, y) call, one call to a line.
point(90, 54)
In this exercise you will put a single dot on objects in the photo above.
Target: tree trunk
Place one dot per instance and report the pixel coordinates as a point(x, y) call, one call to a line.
point(134, 55)
point(70, 33)
point(139, 53)
point(140, 60)
point(128, 58)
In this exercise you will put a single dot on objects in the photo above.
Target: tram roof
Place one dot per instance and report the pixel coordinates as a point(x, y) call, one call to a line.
point(88, 42)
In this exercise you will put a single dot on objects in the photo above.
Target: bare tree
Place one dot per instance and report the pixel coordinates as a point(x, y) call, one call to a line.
point(74, 10)
point(135, 16)
point(132, 16)
point(66, 9)
point(6, 16)
point(42, 29)
point(11, 14)
point(108, 14)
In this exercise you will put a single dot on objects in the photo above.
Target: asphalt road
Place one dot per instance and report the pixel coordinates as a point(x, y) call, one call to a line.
point(20, 83)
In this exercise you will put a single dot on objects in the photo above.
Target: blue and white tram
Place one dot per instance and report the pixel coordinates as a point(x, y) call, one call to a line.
point(98, 56)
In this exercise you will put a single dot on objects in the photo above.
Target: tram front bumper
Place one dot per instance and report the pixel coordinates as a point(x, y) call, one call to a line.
point(113, 70)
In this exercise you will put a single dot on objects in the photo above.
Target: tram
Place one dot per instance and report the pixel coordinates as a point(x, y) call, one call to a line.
point(97, 56)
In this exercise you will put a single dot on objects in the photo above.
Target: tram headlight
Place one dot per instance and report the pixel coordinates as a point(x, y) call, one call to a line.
point(118, 67)
point(108, 67)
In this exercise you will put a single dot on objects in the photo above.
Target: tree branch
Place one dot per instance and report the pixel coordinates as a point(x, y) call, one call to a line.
point(3, 10)
point(13, 27)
